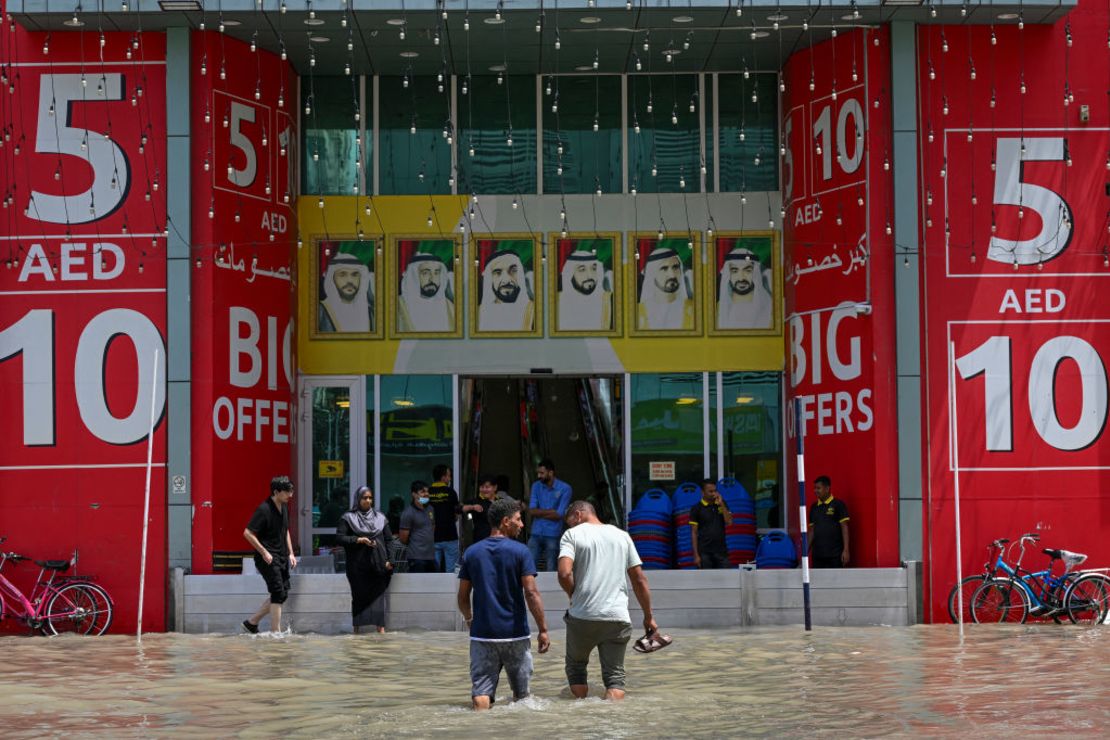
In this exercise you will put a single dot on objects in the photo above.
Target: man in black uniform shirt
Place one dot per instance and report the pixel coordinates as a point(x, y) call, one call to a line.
point(445, 512)
point(828, 528)
point(708, 519)
point(478, 512)
point(268, 533)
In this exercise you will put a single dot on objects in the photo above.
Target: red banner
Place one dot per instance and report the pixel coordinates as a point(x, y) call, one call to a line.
point(244, 152)
point(1015, 133)
point(83, 307)
point(839, 293)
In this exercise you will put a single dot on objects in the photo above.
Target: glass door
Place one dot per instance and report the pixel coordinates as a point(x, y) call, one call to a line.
point(332, 465)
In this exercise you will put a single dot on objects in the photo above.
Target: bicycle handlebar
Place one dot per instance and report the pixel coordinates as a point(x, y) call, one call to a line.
point(1031, 536)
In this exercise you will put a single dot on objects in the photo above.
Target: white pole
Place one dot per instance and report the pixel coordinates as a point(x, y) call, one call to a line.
point(955, 452)
point(146, 497)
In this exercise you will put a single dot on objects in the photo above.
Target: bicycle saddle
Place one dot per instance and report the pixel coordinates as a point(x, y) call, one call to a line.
point(60, 565)
point(1069, 558)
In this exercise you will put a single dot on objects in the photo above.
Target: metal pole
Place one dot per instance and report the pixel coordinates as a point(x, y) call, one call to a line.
point(955, 456)
point(146, 497)
point(799, 428)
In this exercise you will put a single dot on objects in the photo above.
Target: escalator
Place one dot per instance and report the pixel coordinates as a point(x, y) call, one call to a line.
point(513, 423)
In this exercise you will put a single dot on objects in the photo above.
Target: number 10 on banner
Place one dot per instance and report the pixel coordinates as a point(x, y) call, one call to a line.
point(1032, 395)
point(33, 337)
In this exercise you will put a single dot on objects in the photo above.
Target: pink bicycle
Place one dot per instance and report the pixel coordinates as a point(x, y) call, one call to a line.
point(58, 604)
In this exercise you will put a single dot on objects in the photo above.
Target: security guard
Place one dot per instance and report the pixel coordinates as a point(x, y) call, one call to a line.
point(828, 528)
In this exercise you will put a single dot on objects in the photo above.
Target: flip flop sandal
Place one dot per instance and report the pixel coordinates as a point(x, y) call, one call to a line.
point(651, 642)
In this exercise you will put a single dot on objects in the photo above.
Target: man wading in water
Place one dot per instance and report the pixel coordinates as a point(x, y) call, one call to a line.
point(501, 575)
point(593, 561)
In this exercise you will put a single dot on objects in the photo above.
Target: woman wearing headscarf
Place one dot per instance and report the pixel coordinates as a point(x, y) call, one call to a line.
point(363, 531)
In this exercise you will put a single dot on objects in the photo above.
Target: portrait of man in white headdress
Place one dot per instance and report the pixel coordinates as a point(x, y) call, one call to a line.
point(426, 293)
point(584, 285)
point(347, 290)
point(743, 298)
point(506, 293)
point(665, 301)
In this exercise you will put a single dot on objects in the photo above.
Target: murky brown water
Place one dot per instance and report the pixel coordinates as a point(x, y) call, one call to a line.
point(768, 681)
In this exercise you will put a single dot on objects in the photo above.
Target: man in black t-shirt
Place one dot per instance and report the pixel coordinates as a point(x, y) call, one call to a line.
point(478, 512)
point(828, 528)
point(444, 502)
point(708, 519)
point(268, 533)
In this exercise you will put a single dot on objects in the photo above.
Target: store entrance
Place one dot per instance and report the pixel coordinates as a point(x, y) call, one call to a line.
point(511, 423)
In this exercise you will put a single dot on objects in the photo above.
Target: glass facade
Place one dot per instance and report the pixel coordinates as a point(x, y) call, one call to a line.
point(496, 153)
point(330, 460)
point(664, 134)
point(414, 123)
point(668, 435)
point(747, 133)
point(677, 124)
point(330, 136)
point(416, 435)
point(679, 433)
point(582, 134)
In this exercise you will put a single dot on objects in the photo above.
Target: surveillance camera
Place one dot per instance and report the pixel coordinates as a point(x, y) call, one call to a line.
point(863, 309)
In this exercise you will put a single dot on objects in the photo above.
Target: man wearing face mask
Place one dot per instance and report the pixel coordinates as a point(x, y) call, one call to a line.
point(418, 532)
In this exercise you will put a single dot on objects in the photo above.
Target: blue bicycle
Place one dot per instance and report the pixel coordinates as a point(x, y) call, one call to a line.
point(1015, 594)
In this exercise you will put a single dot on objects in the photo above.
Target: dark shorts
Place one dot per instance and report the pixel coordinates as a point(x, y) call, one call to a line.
point(714, 560)
point(825, 561)
point(276, 575)
point(488, 658)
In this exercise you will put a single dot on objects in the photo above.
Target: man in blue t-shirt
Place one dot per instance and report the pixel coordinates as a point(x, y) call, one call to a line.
point(501, 576)
point(548, 504)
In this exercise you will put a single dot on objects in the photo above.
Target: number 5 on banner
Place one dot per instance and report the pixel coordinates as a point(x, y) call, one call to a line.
point(1009, 190)
point(54, 135)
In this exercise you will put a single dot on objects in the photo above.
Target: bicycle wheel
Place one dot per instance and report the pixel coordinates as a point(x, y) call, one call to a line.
point(1088, 600)
point(970, 585)
point(101, 617)
point(997, 601)
point(72, 609)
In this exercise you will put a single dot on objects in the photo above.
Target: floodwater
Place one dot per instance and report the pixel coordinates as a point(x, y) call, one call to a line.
point(834, 681)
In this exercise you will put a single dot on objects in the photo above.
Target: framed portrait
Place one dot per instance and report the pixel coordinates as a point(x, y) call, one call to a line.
point(424, 287)
point(346, 291)
point(505, 300)
point(584, 284)
point(741, 290)
point(663, 279)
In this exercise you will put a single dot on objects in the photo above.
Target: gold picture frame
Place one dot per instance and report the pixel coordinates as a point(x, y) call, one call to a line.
point(482, 299)
point(764, 246)
point(360, 258)
point(609, 269)
point(686, 322)
point(444, 308)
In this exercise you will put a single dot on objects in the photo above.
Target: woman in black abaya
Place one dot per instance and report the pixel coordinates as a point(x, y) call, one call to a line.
point(363, 531)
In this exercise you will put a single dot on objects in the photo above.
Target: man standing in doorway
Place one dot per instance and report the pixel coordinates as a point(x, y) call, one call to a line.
point(548, 504)
point(445, 511)
point(708, 519)
point(828, 528)
point(501, 575)
point(594, 559)
point(268, 533)
point(479, 512)
point(416, 531)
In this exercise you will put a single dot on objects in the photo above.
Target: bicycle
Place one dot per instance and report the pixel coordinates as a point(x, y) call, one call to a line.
point(1021, 593)
point(970, 584)
point(57, 604)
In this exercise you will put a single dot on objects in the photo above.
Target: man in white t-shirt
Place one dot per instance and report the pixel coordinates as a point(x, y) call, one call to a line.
point(594, 559)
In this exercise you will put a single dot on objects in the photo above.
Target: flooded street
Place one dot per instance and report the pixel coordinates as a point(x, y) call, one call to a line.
point(762, 682)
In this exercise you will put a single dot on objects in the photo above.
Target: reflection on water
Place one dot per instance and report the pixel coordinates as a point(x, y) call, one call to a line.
point(767, 681)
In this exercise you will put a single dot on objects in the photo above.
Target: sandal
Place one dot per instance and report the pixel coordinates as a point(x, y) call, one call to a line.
point(651, 642)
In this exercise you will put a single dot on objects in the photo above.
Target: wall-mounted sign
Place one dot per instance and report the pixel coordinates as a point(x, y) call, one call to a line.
point(661, 470)
point(329, 469)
